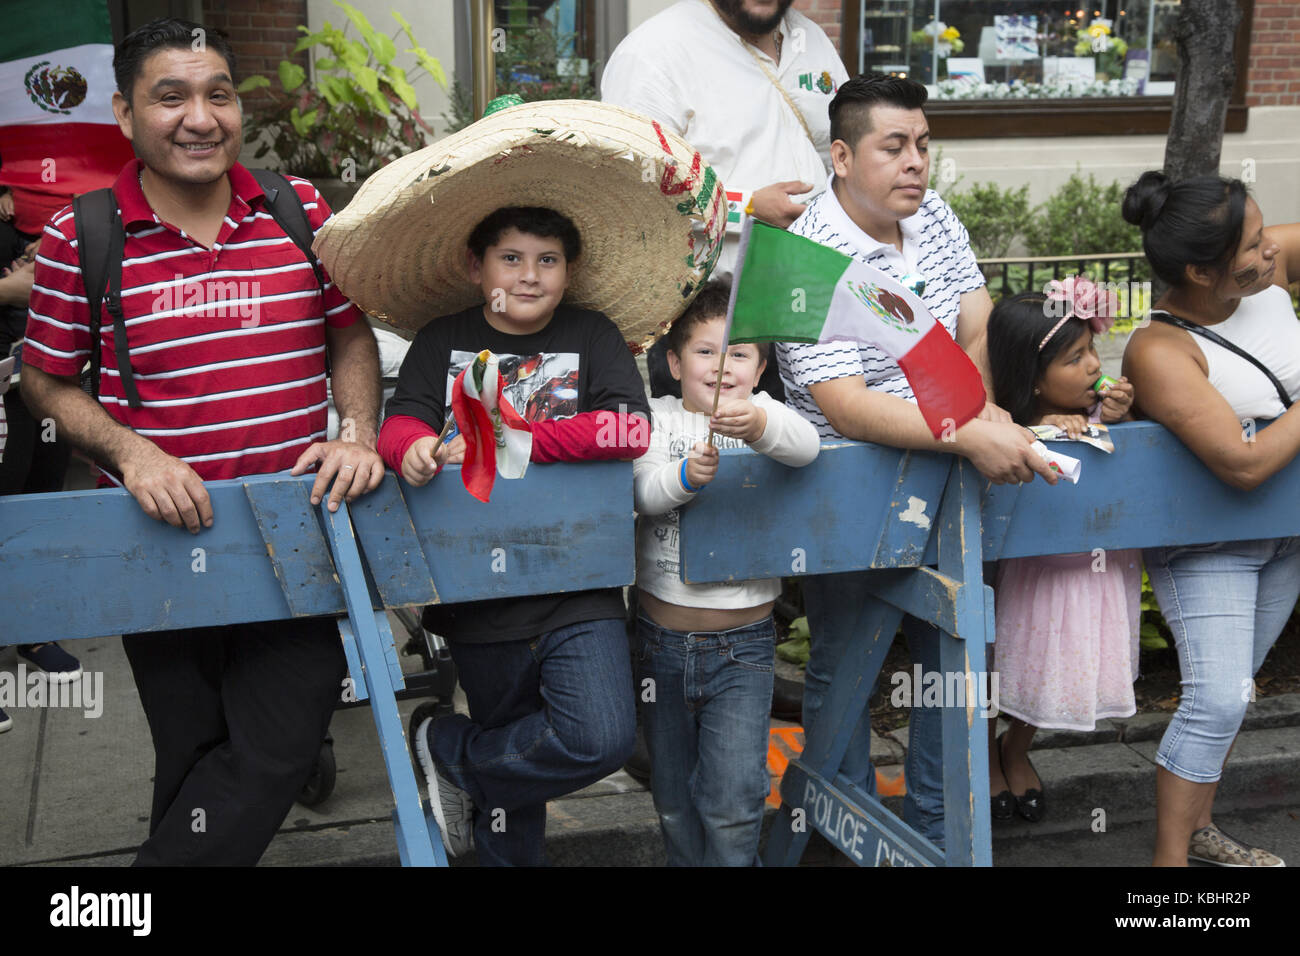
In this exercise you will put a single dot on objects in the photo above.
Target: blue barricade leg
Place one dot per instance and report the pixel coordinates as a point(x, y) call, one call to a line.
point(967, 821)
point(823, 753)
point(370, 628)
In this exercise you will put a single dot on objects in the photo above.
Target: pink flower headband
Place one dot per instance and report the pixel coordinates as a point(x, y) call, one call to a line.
point(1082, 299)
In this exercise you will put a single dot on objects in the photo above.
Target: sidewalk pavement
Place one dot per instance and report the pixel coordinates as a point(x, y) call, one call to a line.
point(76, 788)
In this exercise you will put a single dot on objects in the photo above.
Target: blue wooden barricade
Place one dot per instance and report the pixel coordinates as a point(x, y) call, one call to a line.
point(923, 551)
point(87, 564)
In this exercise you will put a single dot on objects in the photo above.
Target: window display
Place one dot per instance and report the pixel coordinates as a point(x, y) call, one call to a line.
point(1024, 49)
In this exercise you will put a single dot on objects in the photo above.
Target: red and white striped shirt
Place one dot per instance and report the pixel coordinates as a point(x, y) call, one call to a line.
point(227, 344)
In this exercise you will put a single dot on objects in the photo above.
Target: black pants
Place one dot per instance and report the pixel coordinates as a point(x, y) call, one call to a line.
point(238, 714)
point(31, 465)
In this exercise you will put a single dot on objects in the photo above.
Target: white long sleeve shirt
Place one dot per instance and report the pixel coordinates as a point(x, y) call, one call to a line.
point(692, 73)
point(788, 438)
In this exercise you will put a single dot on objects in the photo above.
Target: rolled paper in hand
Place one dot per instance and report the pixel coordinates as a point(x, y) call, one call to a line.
point(1068, 468)
point(1104, 382)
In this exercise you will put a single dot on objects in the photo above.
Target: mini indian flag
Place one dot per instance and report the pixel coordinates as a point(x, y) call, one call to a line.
point(497, 439)
point(846, 300)
point(58, 137)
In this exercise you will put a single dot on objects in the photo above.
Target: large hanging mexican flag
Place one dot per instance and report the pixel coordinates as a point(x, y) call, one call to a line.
point(58, 137)
point(790, 289)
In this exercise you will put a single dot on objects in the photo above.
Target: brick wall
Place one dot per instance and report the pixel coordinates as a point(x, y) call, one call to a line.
point(1274, 78)
point(262, 32)
point(827, 14)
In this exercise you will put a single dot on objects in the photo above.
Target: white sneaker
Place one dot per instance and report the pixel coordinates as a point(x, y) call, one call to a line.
point(453, 810)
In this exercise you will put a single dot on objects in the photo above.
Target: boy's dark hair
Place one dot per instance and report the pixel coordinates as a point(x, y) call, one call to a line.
point(1196, 222)
point(165, 33)
point(1016, 326)
point(851, 109)
point(531, 220)
point(710, 303)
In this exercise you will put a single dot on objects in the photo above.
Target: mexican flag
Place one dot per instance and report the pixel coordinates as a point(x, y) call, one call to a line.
point(790, 289)
point(58, 137)
point(497, 439)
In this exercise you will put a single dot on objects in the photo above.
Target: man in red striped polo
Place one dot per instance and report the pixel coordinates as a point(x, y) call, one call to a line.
point(228, 332)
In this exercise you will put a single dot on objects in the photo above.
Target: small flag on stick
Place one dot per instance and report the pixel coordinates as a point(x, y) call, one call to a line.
point(497, 439)
point(847, 300)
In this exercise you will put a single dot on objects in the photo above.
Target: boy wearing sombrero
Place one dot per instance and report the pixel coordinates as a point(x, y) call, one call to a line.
point(505, 231)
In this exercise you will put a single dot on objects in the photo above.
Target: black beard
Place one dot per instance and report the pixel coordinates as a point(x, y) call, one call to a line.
point(747, 23)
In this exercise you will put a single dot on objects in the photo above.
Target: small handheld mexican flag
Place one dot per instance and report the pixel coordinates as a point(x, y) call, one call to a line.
point(497, 439)
point(846, 300)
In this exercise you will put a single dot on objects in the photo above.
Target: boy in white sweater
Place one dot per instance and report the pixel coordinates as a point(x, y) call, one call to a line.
point(706, 649)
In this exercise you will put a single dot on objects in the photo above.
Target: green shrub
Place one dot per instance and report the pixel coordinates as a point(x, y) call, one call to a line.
point(993, 216)
point(1082, 218)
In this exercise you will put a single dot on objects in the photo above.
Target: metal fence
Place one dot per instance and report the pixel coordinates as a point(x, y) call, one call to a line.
point(1030, 273)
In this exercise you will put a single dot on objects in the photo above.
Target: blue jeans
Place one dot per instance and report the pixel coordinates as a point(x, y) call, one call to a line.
point(833, 603)
point(1226, 604)
point(548, 716)
point(707, 732)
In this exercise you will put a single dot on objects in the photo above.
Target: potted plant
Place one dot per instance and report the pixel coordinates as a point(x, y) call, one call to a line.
point(360, 113)
point(1109, 50)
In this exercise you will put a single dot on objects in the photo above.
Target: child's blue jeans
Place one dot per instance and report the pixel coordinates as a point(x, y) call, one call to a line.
point(548, 716)
point(706, 727)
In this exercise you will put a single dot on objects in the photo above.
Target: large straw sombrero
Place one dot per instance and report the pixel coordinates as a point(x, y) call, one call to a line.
point(651, 213)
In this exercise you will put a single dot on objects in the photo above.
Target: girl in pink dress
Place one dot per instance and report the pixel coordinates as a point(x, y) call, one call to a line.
point(1067, 625)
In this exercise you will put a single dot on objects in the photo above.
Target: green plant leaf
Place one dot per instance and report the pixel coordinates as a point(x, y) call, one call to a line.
point(354, 56)
point(302, 122)
point(252, 83)
point(368, 80)
point(406, 27)
point(326, 63)
point(309, 39)
point(291, 75)
point(401, 86)
point(430, 63)
point(359, 21)
point(1151, 639)
point(384, 49)
point(335, 90)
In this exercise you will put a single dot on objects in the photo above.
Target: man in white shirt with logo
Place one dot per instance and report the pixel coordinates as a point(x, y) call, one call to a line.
point(877, 209)
point(747, 83)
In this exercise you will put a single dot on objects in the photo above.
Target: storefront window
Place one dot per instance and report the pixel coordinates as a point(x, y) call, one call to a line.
point(1023, 49)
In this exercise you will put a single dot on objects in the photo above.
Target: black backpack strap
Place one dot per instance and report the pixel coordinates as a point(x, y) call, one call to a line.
point(100, 243)
point(285, 207)
point(1170, 319)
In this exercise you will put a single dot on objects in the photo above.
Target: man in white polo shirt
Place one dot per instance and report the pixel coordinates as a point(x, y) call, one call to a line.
point(877, 209)
point(747, 83)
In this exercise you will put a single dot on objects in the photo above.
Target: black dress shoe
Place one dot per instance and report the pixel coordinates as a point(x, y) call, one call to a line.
point(1032, 803)
point(1004, 804)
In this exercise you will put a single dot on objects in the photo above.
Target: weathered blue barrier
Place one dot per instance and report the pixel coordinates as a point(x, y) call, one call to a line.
point(89, 564)
point(924, 550)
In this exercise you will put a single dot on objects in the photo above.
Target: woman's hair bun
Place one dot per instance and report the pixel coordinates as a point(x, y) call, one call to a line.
point(1146, 198)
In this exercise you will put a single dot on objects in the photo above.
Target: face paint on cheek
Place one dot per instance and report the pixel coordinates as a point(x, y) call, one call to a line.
point(1245, 277)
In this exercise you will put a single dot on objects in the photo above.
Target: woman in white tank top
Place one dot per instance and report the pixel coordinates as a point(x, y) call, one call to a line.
point(1225, 603)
